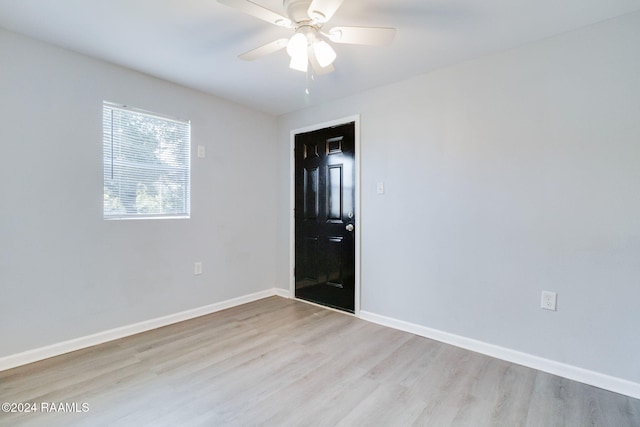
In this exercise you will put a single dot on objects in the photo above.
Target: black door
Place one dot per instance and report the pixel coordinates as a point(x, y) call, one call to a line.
point(325, 216)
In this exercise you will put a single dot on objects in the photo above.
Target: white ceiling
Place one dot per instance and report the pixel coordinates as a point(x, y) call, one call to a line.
point(196, 42)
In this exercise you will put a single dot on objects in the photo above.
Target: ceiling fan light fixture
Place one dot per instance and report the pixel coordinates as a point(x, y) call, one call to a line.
point(324, 53)
point(300, 61)
point(297, 46)
point(309, 47)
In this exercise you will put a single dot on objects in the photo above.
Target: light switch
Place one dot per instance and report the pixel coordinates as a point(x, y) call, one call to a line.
point(380, 187)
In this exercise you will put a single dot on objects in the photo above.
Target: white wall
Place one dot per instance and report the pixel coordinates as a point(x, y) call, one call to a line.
point(64, 271)
point(504, 176)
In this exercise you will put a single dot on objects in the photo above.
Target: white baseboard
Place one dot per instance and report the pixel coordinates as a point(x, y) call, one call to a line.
point(57, 349)
point(585, 376)
point(284, 293)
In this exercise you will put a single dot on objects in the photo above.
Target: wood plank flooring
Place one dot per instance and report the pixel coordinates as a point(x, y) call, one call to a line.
point(279, 362)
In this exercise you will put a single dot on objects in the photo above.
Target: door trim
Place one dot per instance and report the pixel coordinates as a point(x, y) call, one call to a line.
point(292, 184)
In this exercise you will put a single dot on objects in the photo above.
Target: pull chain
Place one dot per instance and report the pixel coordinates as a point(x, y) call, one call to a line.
point(309, 76)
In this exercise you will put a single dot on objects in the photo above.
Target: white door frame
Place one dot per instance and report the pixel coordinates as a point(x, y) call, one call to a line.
point(292, 184)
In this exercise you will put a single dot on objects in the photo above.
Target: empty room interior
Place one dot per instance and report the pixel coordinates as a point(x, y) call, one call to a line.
point(426, 213)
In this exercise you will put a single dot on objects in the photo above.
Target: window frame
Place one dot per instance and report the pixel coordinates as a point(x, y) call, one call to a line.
point(107, 138)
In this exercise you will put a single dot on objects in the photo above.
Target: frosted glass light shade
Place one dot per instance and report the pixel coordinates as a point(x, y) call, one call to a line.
point(324, 53)
point(297, 45)
point(300, 62)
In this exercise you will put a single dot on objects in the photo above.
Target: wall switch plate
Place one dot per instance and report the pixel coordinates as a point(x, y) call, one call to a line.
point(197, 268)
point(549, 300)
point(380, 187)
point(201, 151)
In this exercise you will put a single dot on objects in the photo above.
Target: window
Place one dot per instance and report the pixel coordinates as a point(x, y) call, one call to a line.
point(146, 164)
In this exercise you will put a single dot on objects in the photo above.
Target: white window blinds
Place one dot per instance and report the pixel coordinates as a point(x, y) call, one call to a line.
point(146, 160)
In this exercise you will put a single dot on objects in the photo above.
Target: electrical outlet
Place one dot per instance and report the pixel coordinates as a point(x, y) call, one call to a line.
point(201, 151)
point(549, 300)
point(197, 268)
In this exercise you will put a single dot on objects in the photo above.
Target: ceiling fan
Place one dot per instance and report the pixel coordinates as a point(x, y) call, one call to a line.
point(309, 44)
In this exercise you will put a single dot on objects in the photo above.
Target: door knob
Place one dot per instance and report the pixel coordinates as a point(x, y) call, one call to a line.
point(349, 227)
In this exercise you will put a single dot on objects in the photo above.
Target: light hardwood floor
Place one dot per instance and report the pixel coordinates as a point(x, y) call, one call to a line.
point(279, 362)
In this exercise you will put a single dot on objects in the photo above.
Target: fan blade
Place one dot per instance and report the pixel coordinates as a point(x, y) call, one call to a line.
point(258, 11)
point(267, 49)
point(372, 36)
point(323, 10)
